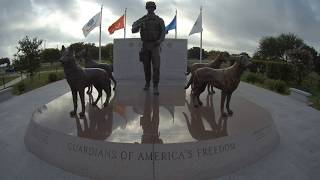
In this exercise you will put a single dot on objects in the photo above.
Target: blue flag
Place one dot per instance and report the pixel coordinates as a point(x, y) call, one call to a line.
point(172, 25)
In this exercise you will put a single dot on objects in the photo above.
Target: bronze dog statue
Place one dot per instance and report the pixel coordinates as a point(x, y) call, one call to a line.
point(79, 78)
point(215, 64)
point(89, 63)
point(227, 80)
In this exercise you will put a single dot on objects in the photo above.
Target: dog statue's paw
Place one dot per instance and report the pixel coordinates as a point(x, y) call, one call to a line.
point(200, 103)
point(230, 112)
point(105, 104)
point(82, 114)
point(72, 113)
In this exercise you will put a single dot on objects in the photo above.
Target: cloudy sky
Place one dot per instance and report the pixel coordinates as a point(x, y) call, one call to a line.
point(232, 25)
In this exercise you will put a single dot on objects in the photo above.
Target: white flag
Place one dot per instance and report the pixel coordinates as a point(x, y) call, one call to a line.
point(197, 27)
point(91, 24)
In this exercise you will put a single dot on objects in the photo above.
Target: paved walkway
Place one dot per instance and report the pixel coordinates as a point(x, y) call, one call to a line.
point(297, 156)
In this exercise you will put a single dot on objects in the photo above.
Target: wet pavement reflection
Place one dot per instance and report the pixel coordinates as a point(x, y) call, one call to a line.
point(136, 116)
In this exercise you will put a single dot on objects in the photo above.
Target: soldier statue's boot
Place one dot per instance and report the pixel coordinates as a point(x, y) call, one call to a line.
point(156, 90)
point(146, 86)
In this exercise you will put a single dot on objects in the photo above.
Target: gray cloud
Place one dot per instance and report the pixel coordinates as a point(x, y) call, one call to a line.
point(231, 25)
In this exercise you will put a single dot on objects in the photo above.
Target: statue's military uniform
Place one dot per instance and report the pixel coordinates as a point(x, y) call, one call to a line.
point(152, 32)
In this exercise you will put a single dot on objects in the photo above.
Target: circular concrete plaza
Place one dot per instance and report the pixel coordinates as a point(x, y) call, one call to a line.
point(142, 136)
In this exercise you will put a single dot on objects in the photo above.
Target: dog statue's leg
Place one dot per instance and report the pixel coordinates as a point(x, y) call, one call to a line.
point(208, 89)
point(107, 90)
point(201, 89)
point(82, 113)
point(230, 112)
point(75, 102)
point(212, 91)
point(195, 100)
point(114, 82)
point(223, 98)
point(89, 91)
point(99, 96)
point(90, 88)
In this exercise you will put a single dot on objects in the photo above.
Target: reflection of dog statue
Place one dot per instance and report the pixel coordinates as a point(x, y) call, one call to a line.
point(196, 125)
point(98, 125)
point(225, 79)
point(79, 78)
point(89, 63)
point(215, 64)
point(150, 124)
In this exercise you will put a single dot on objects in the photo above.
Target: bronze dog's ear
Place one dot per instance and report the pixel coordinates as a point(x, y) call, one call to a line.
point(63, 48)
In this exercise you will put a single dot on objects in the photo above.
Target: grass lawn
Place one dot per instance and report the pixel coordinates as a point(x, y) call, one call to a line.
point(36, 81)
point(5, 79)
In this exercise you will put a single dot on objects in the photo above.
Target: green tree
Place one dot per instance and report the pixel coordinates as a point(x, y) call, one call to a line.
point(93, 50)
point(50, 55)
point(268, 49)
point(287, 42)
point(28, 55)
point(5, 61)
point(107, 52)
point(194, 53)
point(302, 61)
point(77, 46)
point(274, 48)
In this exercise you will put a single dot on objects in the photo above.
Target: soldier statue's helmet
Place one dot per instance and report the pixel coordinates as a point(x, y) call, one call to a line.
point(151, 4)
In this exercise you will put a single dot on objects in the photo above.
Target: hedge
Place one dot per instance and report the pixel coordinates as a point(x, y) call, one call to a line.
point(273, 70)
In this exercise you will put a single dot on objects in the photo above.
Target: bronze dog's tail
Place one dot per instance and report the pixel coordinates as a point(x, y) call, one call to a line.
point(189, 82)
point(188, 70)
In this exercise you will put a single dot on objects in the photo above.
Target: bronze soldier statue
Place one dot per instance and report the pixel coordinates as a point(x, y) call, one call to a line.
point(152, 33)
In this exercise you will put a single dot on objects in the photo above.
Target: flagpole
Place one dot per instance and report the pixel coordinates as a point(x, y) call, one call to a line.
point(125, 23)
point(100, 35)
point(176, 24)
point(201, 35)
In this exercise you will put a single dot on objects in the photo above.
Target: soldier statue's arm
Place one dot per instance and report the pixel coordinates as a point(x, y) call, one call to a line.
point(137, 25)
point(162, 32)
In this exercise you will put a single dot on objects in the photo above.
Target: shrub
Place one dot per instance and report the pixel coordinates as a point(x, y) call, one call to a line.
point(258, 66)
point(281, 87)
point(277, 85)
point(312, 82)
point(255, 78)
point(273, 69)
point(21, 87)
point(52, 77)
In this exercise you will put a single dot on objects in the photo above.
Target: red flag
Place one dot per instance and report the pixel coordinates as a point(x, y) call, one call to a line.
point(119, 24)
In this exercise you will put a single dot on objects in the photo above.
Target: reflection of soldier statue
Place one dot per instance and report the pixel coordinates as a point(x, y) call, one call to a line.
point(152, 32)
point(150, 123)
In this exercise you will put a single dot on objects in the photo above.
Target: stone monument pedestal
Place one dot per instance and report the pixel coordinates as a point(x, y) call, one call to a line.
point(128, 68)
point(151, 137)
point(142, 136)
